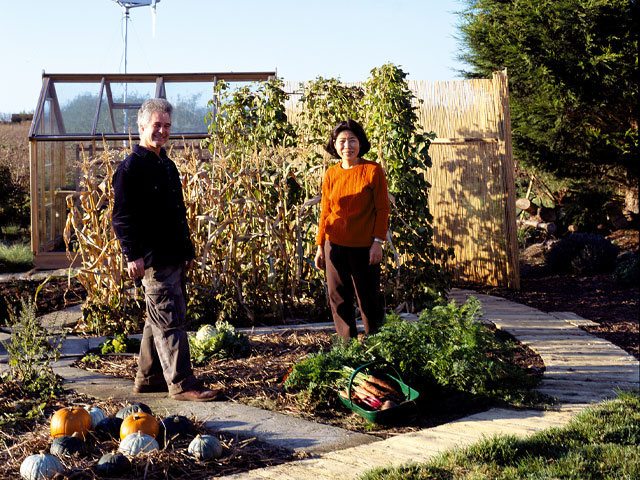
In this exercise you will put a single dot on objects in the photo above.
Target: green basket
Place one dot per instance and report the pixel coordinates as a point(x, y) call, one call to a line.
point(390, 415)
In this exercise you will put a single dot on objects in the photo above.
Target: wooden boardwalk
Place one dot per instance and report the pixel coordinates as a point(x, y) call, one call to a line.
point(580, 370)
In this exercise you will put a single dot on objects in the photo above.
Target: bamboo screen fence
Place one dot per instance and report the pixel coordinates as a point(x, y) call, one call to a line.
point(472, 198)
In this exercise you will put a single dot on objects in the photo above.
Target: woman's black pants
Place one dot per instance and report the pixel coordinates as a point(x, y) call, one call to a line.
point(349, 274)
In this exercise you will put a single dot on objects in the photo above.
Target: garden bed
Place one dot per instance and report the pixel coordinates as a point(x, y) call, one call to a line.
point(257, 380)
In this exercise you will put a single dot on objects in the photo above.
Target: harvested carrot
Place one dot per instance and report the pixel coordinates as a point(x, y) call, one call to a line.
point(373, 389)
point(384, 385)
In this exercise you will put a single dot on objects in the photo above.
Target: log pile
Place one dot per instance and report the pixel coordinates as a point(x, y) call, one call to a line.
point(540, 217)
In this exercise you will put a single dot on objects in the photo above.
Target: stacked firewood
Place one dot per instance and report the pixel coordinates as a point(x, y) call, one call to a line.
point(540, 217)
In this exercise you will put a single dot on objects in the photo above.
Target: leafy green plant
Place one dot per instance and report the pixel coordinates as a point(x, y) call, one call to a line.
point(121, 343)
point(319, 375)
point(447, 346)
point(415, 271)
point(217, 342)
point(31, 351)
point(15, 257)
point(248, 119)
point(120, 313)
point(14, 197)
point(90, 358)
point(325, 103)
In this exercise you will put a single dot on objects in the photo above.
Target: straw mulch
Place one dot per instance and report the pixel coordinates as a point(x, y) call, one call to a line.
point(256, 379)
point(172, 462)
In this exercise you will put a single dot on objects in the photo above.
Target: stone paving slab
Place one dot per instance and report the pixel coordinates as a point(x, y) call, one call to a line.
point(280, 430)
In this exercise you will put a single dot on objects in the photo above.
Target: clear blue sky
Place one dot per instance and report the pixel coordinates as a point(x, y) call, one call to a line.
point(299, 39)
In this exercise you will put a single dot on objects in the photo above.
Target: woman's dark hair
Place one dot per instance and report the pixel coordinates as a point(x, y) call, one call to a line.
point(353, 127)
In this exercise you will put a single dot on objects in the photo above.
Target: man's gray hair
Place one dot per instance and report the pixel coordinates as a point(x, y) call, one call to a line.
point(150, 106)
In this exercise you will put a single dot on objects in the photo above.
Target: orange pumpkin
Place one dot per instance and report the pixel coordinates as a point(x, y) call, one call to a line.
point(139, 422)
point(70, 420)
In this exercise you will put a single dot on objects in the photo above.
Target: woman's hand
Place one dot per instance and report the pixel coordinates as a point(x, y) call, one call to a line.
point(319, 260)
point(375, 253)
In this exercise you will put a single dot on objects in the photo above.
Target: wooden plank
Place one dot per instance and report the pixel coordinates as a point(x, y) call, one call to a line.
point(574, 319)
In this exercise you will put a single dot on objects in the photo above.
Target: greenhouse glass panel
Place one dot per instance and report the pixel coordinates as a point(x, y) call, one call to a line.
point(124, 100)
point(190, 105)
point(78, 102)
point(79, 115)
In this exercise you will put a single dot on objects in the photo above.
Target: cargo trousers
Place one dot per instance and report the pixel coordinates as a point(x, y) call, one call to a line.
point(349, 274)
point(164, 350)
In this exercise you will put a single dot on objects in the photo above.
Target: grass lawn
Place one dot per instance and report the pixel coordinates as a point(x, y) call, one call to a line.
point(600, 443)
point(15, 257)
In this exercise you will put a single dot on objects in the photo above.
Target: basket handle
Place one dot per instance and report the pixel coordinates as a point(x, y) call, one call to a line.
point(375, 362)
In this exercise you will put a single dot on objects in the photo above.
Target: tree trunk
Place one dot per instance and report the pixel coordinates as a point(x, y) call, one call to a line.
point(547, 214)
point(527, 205)
point(631, 201)
point(536, 223)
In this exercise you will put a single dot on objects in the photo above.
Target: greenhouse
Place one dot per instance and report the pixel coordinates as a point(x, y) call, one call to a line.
point(81, 114)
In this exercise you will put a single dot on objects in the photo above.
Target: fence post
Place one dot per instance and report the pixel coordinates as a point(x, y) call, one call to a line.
point(501, 89)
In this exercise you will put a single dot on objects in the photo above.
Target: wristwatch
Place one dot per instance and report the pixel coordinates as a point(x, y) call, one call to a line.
point(379, 240)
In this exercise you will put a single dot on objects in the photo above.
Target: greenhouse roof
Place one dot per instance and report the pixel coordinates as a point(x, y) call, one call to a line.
point(96, 106)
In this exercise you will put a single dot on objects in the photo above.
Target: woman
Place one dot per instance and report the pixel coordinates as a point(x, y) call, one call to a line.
point(352, 229)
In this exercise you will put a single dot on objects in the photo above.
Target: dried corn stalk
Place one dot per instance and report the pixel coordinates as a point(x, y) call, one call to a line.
point(252, 226)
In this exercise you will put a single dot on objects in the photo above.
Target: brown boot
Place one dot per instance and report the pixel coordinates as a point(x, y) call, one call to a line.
point(198, 395)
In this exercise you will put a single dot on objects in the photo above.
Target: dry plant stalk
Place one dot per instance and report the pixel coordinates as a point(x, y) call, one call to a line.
point(252, 226)
point(89, 233)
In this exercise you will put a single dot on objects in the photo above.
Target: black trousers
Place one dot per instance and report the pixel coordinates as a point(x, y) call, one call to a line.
point(349, 274)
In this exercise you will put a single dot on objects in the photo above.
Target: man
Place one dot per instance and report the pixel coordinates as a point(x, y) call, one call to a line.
point(149, 219)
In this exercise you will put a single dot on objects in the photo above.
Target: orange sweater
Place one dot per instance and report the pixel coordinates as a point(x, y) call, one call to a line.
point(355, 205)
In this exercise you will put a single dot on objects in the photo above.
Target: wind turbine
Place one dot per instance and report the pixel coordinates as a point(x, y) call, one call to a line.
point(126, 6)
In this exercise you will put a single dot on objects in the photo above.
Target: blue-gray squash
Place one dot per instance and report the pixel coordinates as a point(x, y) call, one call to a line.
point(113, 465)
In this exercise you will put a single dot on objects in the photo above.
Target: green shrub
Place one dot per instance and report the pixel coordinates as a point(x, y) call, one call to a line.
point(627, 271)
point(585, 207)
point(582, 253)
point(16, 257)
point(14, 200)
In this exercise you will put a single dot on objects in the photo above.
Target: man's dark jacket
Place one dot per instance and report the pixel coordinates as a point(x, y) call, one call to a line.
point(149, 216)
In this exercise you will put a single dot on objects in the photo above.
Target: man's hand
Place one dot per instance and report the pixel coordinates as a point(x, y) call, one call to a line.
point(136, 268)
point(375, 253)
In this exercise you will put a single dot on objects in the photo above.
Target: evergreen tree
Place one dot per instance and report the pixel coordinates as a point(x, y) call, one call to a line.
point(573, 69)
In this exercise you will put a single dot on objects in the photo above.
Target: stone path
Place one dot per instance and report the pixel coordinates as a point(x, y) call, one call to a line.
point(581, 370)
